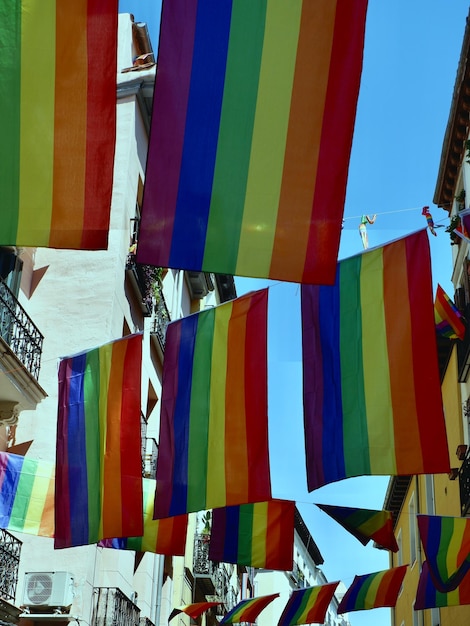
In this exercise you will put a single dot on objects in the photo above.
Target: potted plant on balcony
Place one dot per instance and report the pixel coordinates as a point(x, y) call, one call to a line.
point(455, 223)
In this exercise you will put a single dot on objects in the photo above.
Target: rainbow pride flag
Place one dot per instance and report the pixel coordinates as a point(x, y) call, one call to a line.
point(446, 544)
point(448, 318)
point(257, 535)
point(164, 536)
point(248, 610)
point(365, 524)
point(57, 121)
point(428, 597)
point(26, 495)
point(372, 394)
point(372, 591)
point(252, 127)
point(98, 459)
point(213, 427)
point(193, 610)
point(308, 606)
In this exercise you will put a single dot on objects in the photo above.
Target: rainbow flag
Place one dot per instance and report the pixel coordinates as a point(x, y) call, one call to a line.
point(248, 610)
point(365, 524)
point(308, 606)
point(428, 597)
point(372, 591)
point(57, 121)
point(253, 119)
point(372, 394)
point(257, 535)
point(165, 536)
point(193, 610)
point(98, 467)
point(448, 318)
point(26, 495)
point(213, 427)
point(446, 544)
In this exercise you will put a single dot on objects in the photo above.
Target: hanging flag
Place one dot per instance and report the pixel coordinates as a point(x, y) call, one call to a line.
point(428, 597)
point(26, 495)
point(57, 122)
point(372, 591)
point(446, 544)
point(193, 610)
point(449, 321)
point(248, 610)
point(365, 524)
point(372, 395)
point(252, 128)
point(257, 535)
point(429, 220)
point(308, 606)
point(214, 429)
point(165, 536)
point(98, 468)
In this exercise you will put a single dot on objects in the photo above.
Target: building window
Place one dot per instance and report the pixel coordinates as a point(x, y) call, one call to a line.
point(413, 538)
point(429, 483)
point(400, 549)
point(10, 270)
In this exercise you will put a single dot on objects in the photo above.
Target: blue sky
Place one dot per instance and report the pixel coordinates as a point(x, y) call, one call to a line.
point(411, 55)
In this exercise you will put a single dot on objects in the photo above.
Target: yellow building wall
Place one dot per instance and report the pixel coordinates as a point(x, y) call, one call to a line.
point(423, 494)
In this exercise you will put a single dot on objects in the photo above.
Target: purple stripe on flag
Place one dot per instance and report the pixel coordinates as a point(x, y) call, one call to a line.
point(77, 468)
point(201, 134)
point(10, 469)
point(175, 56)
point(312, 376)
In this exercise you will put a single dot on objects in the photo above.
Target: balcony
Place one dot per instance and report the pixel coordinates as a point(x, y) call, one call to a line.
point(160, 318)
point(112, 608)
point(20, 357)
point(10, 549)
point(463, 350)
point(212, 579)
point(464, 483)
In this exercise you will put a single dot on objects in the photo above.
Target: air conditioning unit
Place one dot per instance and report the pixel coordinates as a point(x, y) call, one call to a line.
point(47, 590)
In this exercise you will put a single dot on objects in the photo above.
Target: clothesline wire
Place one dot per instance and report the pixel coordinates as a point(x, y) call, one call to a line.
point(358, 217)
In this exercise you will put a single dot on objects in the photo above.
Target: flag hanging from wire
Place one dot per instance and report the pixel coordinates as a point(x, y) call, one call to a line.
point(98, 459)
point(257, 535)
point(164, 536)
point(428, 597)
point(252, 128)
point(365, 524)
point(372, 591)
point(194, 610)
point(308, 606)
point(248, 610)
point(372, 394)
point(26, 495)
point(446, 544)
point(57, 122)
point(449, 321)
point(214, 429)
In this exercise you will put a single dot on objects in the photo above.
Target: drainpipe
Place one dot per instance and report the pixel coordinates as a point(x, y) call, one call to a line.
point(157, 603)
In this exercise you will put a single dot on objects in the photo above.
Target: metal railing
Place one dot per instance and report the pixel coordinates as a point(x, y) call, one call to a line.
point(464, 483)
point(112, 608)
point(19, 332)
point(161, 317)
point(203, 567)
point(10, 550)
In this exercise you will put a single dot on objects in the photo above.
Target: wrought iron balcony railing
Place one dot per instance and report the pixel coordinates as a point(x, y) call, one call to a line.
point(112, 608)
point(216, 574)
point(10, 550)
point(161, 317)
point(464, 482)
point(19, 332)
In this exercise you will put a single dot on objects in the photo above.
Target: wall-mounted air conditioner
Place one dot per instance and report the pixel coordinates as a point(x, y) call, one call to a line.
point(47, 590)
